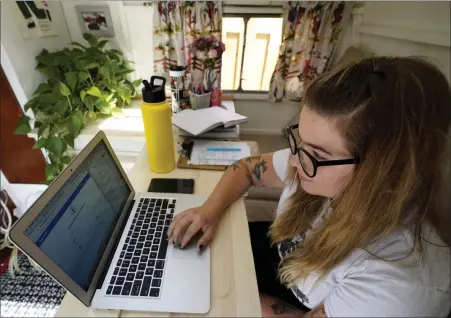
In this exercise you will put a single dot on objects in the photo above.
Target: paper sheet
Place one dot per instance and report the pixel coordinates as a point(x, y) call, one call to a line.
point(218, 153)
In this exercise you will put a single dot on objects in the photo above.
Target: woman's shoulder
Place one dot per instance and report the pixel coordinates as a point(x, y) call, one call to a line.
point(396, 257)
point(388, 278)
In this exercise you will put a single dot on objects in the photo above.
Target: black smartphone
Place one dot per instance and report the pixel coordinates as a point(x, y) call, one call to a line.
point(171, 185)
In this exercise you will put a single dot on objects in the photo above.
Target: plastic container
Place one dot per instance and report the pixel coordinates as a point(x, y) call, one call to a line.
point(156, 114)
point(199, 101)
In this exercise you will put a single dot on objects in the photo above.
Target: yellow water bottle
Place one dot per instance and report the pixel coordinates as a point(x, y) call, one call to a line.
point(156, 113)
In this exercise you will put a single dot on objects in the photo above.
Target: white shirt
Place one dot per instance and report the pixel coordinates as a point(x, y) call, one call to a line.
point(363, 285)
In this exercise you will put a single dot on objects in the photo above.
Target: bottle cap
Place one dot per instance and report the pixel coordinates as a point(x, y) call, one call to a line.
point(154, 93)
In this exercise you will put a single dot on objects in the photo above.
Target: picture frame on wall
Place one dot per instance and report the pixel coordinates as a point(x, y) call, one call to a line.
point(34, 18)
point(95, 20)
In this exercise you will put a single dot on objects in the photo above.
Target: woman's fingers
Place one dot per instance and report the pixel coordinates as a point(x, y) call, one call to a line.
point(190, 232)
point(180, 228)
point(174, 222)
point(206, 238)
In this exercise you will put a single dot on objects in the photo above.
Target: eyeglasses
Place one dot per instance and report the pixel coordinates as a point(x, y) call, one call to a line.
point(308, 162)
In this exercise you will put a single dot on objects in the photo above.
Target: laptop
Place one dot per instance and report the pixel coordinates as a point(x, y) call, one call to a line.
point(107, 244)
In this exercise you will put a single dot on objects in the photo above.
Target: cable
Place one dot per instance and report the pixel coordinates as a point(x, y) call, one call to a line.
point(5, 242)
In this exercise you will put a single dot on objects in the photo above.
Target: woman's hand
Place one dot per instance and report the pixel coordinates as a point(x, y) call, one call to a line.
point(188, 223)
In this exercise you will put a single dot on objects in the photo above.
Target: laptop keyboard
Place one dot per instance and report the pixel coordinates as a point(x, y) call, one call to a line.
point(139, 269)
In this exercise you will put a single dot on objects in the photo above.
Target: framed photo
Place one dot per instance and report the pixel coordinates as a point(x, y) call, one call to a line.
point(95, 20)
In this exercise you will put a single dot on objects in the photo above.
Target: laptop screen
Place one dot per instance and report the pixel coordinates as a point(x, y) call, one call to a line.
point(75, 226)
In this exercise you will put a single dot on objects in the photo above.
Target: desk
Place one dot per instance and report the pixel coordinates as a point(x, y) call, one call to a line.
point(234, 289)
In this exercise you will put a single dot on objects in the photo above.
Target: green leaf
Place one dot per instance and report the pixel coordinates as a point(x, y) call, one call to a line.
point(54, 159)
point(117, 112)
point(43, 131)
point(49, 72)
point(41, 143)
point(48, 98)
point(55, 145)
point(23, 120)
point(103, 108)
point(74, 125)
point(43, 87)
point(136, 83)
point(82, 95)
point(61, 106)
point(64, 90)
point(22, 129)
point(92, 115)
point(91, 65)
point(95, 91)
point(113, 87)
point(92, 40)
point(66, 160)
point(44, 57)
point(126, 68)
point(108, 97)
point(51, 171)
point(85, 64)
point(79, 45)
point(31, 103)
point(62, 60)
point(90, 101)
point(101, 44)
point(37, 124)
point(79, 114)
point(113, 102)
point(105, 72)
point(69, 140)
point(71, 79)
point(56, 92)
point(83, 76)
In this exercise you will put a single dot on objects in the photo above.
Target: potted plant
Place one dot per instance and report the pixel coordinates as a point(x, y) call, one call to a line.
point(82, 82)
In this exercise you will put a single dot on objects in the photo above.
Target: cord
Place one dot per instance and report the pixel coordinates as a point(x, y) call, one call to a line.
point(5, 242)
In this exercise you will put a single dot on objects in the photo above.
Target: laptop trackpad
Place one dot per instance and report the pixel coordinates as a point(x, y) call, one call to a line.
point(188, 252)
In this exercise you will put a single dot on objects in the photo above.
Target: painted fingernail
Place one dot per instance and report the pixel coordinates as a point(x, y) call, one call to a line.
point(180, 245)
point(201, 248)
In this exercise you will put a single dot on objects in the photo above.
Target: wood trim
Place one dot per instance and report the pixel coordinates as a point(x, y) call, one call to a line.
point(263, 37)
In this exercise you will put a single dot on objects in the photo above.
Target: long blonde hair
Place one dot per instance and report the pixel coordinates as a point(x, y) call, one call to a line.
point(395, 116)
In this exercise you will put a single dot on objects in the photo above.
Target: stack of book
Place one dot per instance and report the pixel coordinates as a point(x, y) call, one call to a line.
point(212, 122)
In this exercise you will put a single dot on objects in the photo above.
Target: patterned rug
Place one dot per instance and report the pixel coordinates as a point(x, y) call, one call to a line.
point(30, 294)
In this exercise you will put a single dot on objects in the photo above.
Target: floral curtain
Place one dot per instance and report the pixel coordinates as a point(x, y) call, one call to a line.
point(311, 32)
point(176, 26)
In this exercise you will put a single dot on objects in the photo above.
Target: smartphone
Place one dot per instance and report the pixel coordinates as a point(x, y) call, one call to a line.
point(171, 185)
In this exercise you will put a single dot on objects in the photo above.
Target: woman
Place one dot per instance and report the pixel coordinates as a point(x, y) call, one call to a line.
point(358, 230)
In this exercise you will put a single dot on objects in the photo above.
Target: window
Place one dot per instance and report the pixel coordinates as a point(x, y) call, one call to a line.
point(252, 46)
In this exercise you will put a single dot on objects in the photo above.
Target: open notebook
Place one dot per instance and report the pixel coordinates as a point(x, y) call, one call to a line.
point(199, 121)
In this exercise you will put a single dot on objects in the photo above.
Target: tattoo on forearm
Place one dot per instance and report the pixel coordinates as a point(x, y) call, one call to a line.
point(249, 159)
point(235, 165)
point(282, 308)
point(259, 168)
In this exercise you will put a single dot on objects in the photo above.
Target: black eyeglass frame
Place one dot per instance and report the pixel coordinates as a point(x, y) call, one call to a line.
point(316, 162)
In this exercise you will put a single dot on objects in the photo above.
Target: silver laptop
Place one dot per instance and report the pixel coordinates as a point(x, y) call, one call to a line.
point(107, 245)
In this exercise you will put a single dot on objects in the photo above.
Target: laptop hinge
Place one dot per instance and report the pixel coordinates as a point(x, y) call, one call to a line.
point(110, 258)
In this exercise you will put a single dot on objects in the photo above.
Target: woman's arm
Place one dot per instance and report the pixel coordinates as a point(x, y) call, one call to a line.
point(273, 307)
point(251, 171)
point(258, 171)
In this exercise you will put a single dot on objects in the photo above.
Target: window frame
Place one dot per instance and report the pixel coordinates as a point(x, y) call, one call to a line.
point(246, 17)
